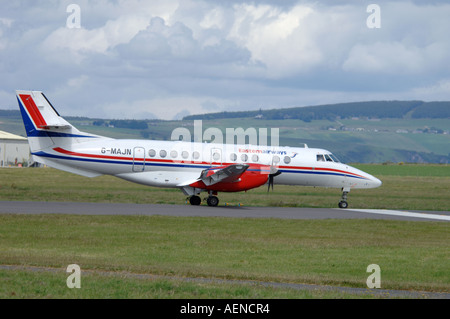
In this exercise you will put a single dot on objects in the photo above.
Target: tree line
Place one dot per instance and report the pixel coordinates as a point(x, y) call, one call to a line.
point(131, 124)
point(373, 109)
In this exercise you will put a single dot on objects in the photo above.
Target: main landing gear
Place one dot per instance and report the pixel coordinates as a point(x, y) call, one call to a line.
point(343, 203)
point(195, 200)
point(211, 200)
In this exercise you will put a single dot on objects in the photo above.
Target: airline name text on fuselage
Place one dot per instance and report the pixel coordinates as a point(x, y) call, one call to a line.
point(257, 151)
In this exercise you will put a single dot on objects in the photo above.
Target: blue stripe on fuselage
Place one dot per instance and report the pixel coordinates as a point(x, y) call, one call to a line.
point(151, 163)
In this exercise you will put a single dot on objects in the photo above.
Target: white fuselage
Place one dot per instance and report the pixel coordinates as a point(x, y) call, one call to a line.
point(174, 164)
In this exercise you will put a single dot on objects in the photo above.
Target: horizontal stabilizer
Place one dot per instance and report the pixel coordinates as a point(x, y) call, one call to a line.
point(55, 127)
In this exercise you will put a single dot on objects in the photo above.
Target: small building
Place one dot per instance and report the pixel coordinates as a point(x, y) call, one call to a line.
point(14, 150)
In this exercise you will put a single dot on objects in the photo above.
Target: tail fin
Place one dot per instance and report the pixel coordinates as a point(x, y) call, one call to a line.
point(38, 113)
point(43, 124)
point(47, 131)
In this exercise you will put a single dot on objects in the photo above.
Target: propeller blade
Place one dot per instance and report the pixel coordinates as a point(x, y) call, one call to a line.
point(271, 176)
point(276, 174)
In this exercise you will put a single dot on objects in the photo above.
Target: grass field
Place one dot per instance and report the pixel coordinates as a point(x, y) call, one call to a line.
point(411, 255)
point(413, 187)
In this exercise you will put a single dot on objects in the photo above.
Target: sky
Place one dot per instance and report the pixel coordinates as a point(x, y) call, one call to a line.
point(141, 59)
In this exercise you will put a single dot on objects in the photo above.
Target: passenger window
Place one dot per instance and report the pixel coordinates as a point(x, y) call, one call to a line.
point(233, 157)
point(320, 158)
point(287, 159)
point(162, 153)
point(255, 158)
point(184, 154)
point(244, 157)
point(216, 156)
point(195, 155)
point(173, 154)
point(152, 153)
point(275, 159)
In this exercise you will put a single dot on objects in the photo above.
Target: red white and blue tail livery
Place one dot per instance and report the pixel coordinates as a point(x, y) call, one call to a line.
point(191, 167)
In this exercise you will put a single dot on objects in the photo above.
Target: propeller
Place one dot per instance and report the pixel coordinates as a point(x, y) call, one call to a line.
point(271, 176)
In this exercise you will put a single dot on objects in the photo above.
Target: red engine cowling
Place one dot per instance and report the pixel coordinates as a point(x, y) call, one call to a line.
point(254, 176)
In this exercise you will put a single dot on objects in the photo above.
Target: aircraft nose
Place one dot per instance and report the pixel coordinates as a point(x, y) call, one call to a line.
point(375, 182)
point(367, 181)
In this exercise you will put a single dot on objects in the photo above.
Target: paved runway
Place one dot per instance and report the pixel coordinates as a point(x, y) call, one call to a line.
point(20, 207)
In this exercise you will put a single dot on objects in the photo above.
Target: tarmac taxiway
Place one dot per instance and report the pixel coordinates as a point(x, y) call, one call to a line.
point(29, 207)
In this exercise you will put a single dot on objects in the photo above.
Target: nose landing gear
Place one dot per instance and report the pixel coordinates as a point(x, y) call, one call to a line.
point(343, 203)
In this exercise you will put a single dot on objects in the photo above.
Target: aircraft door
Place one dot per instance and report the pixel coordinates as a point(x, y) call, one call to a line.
point(138, 159)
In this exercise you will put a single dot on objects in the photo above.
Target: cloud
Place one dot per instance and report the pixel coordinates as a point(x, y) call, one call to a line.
point(214, 19)
point(80, 42)
point(411, 41)
point(439, 91)
point(386, 58)
point(140, 58)
point(4, 24)
point(276, 38)
point(161, 41)
point(167, 107)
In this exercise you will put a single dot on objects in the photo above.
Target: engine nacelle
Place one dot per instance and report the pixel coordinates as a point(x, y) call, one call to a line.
point(254, 176)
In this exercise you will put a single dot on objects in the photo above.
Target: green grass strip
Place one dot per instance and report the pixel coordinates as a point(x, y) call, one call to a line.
point(411, 255)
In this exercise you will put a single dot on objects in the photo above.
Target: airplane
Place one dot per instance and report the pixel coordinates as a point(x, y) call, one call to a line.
point(191, 167)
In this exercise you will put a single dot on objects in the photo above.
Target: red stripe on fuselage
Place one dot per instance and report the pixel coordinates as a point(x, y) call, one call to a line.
point(33, 111)
point(61, 150)
point(318, 169)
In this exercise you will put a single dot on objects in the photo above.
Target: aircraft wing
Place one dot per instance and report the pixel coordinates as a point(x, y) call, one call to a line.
point(226, 174)
point(232, 178)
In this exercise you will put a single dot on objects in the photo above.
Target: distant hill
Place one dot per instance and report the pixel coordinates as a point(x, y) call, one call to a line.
point(331, 112)
point(360, 132)
point(374, 110)
point(10, 114)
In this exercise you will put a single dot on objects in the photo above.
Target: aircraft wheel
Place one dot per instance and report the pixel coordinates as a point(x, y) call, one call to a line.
point(212, 201)
point(343, 204)
point(195, 200)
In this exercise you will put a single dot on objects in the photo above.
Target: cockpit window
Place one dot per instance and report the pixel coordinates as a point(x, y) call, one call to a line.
point(335, 159)
point(327, 157)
